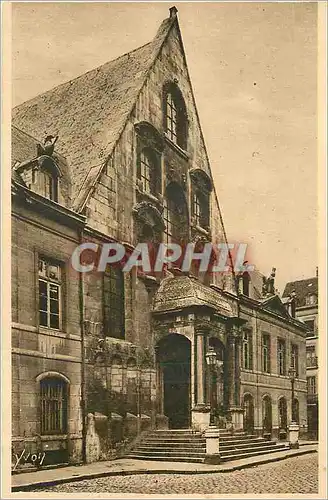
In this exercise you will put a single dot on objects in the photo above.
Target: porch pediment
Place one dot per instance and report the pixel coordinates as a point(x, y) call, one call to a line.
point(179, 292)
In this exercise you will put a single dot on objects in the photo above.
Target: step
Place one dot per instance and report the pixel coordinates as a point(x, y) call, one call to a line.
point(174, 447)
point(175, 431)
point(166, 459)
point(145, 449)
point(247, 445)
point(170, 453)
point(173, 442)
point(239, 456)
point(243, 440)
point(227, 453)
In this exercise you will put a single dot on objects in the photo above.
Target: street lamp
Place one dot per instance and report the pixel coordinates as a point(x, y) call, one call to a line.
point(292, 375)
point(213, 363)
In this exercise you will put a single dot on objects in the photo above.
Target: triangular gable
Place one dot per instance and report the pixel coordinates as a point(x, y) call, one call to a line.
point(89, 112)
point(275, 305)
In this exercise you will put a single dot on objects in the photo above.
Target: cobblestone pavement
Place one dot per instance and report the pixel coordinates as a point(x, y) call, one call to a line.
point(292, 475)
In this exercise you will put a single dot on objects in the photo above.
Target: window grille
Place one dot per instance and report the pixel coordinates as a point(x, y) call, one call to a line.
point(53, 396)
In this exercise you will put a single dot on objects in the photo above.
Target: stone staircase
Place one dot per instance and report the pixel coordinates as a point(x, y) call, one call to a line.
point(186, 445)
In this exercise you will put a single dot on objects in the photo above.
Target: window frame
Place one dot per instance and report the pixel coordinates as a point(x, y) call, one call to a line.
point(281, 343)
point(175, 116)
point(247, 357)
point(50, 282)
point(113, 274)
point(294, 358)
point(148, 169)
point(266, 353)
point(309, 379)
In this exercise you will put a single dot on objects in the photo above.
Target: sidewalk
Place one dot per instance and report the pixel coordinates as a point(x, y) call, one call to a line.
point(122, 466)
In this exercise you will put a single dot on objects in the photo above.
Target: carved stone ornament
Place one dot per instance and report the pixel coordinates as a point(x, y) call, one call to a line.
point(48, 146)
point(150, 136)
point(146, 213)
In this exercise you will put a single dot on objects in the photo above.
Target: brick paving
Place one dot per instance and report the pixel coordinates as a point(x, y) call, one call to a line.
point(292, 475)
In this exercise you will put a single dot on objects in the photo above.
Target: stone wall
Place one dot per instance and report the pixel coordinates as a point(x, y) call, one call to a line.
point(38, 350)
point(260, 384)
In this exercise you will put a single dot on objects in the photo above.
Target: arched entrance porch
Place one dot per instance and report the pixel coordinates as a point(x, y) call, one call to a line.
point(174, 364)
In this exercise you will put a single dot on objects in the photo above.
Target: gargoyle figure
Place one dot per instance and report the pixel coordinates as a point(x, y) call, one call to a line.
point(48, 146)
point(268, 283)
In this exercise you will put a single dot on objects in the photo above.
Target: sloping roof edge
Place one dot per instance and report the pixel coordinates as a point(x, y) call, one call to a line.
point(82, 202)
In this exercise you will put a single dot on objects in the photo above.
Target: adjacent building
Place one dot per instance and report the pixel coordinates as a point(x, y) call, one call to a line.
point(118, 155)
point(305, 293)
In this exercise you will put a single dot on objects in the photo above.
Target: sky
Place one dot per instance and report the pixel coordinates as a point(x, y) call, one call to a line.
point(253, 68)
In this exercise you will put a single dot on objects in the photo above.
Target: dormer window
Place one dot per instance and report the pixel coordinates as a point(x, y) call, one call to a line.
point(48, 185)
point(175, 116)
point(311, 299)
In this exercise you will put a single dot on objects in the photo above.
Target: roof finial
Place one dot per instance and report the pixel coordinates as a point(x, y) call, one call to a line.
point(173, 11)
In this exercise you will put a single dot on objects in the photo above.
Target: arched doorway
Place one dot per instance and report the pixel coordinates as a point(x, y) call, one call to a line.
point(267, 415)
point(174, 356)
point(282, 413)
point(249, 413)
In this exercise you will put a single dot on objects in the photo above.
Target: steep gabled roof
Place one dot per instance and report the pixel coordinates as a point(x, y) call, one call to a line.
point(302, 288)
point(23, 146)
point(90, 112)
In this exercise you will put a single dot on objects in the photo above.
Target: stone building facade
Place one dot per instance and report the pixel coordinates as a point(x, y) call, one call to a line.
point(100, 357)
point(306, 297)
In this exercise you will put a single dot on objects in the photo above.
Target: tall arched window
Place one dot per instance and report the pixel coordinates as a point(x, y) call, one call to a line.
point(114, 311)
point(175, 115)
point(53, 402)
point(147, 171)
point(200, 188)
point(175, 214)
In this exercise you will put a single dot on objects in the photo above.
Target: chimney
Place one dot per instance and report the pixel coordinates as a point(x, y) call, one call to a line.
point(173, 11)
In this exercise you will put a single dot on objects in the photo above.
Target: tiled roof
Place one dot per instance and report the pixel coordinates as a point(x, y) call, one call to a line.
point(89, 113)
point(23, 146)
point(302, 288)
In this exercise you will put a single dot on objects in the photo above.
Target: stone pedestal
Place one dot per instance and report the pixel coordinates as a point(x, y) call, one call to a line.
point(200, 417)
point(162, 421)
point(237, 418)
point(293, 431)
point(212, 436)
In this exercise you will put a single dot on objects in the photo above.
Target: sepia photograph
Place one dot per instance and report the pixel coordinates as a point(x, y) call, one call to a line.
point(164, 183)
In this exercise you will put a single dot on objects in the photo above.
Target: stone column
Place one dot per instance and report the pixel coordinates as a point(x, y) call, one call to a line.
point(201, 409)
point(231, 368)
point(234, 364)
